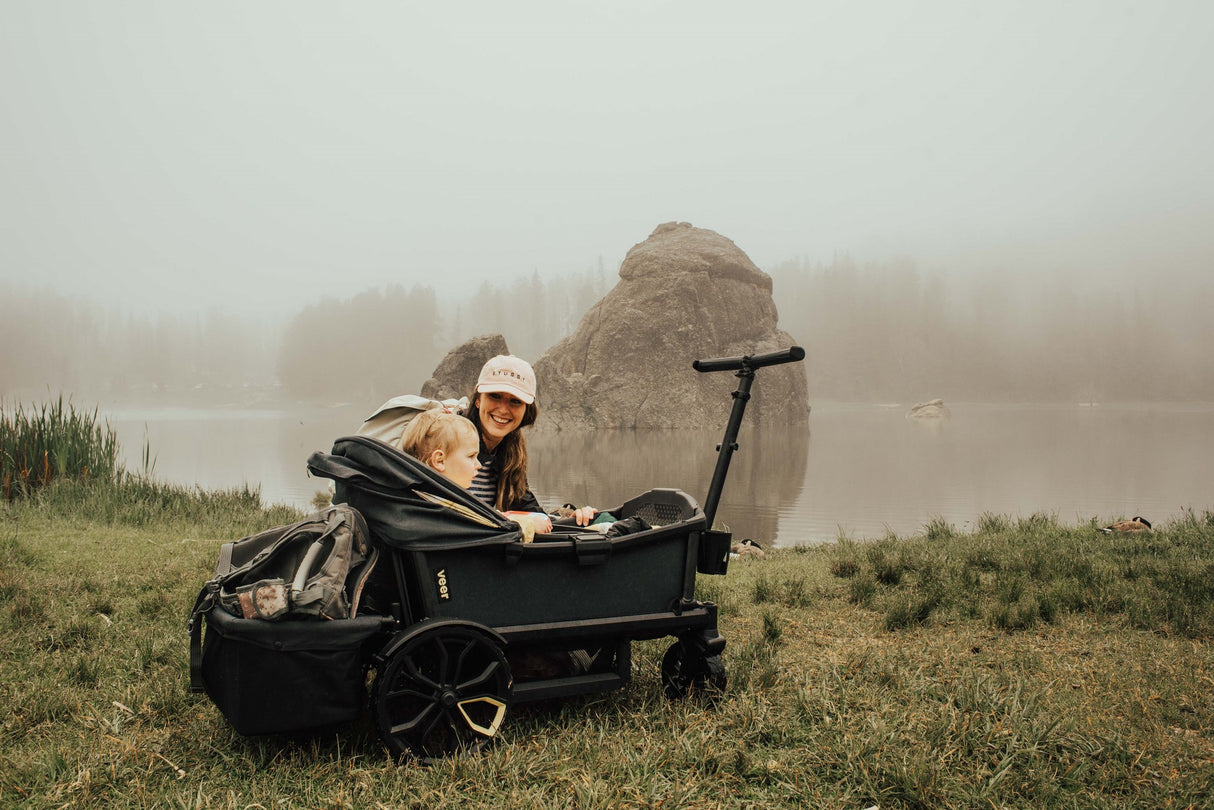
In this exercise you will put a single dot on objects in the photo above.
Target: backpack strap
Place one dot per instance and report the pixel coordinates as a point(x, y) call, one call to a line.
point(202, 605)
point(267, 597)
point(319, 590)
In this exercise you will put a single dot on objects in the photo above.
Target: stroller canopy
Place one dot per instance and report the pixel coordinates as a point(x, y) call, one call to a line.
point(406, 504)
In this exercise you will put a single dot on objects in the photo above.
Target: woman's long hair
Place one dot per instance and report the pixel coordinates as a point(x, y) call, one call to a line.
point(511, 454)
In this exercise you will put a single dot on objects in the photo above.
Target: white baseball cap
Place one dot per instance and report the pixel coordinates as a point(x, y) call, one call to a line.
point(508, 374)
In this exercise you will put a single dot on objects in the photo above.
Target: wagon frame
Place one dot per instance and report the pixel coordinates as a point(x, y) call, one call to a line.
point(462, 601)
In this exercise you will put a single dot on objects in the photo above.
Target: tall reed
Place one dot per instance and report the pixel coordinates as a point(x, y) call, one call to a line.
point(53, 440)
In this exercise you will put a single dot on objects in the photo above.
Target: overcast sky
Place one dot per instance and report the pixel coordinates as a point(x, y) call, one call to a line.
point(257, 156)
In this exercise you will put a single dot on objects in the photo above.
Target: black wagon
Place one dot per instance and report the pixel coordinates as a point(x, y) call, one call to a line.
point(463, 619)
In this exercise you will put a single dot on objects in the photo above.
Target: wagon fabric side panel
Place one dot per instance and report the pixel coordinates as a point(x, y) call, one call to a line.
point(587, 577)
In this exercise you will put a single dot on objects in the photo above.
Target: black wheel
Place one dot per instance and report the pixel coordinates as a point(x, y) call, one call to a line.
point(686, 672)
point(445, 690)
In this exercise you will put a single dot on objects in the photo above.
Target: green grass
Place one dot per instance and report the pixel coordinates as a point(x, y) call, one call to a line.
point(52, 441)
point(1028, 664)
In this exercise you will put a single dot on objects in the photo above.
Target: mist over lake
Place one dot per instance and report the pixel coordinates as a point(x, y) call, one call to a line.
point(859, 470)
point(999, 203)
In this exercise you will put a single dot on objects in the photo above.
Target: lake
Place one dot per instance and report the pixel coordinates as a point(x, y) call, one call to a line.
point(856, 470)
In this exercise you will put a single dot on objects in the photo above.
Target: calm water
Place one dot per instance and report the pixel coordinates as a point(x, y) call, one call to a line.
point(859, 470)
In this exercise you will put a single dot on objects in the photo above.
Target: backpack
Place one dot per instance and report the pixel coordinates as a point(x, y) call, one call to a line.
point(388, 422)
point(316, 568)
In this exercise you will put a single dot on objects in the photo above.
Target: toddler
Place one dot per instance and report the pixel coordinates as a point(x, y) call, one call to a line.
point(448, 443)
point(445, 443)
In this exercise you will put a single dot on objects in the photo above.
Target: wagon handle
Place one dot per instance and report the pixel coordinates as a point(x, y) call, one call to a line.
point(745, 367)
point(792, 354)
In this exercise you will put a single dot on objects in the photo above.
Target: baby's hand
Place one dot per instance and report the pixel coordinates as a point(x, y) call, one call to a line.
point(542, 523)
point(531, 523)
point(527, 528)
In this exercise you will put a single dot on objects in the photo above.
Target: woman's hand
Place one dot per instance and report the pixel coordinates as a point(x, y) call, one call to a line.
point(584, 515)
point(581, 517)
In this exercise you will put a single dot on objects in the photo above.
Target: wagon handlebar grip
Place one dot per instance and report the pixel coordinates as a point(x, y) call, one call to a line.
point(792, 354)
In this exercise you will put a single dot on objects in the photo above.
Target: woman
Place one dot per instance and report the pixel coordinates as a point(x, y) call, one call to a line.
point(502, 404)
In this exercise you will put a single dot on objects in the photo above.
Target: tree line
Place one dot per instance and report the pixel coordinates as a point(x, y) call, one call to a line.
point(372, 345)
point(888, 332)
point(874, 332)
point(60, 344)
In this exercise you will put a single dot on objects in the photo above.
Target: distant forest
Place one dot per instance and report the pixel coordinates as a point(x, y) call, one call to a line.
point(886, 333)
point(371, 346)
point(882, 332)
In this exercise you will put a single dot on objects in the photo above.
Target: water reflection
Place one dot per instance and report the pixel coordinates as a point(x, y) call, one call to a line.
point(863, 471)
point(605, 468)
point(881, 473)
point(221, 447)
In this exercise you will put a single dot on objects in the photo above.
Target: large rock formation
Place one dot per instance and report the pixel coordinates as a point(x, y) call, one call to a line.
point(684, 293)
point(455, 376)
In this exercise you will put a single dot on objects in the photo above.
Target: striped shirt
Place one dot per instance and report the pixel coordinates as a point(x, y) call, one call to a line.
point(484, 485)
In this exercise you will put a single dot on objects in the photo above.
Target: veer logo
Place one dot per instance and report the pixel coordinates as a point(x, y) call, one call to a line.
point(443, 591)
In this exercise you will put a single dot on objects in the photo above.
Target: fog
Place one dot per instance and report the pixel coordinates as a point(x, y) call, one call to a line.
point(878, 332)
point(193, 180)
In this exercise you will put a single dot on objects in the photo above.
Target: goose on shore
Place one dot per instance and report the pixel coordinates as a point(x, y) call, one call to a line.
point(1134, 524)
point(747, 548)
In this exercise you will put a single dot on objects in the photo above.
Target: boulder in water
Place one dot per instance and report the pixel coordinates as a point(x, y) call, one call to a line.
point(455, 376)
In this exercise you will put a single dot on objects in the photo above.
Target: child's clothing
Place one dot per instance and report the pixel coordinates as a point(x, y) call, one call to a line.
point(484, 485)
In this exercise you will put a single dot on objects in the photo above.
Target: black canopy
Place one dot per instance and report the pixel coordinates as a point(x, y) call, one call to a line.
point(405, 503)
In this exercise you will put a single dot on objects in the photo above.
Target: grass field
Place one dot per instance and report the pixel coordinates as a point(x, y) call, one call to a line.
point(1028, 664)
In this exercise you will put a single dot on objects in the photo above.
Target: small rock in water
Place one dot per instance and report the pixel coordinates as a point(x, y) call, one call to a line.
point(932, 409)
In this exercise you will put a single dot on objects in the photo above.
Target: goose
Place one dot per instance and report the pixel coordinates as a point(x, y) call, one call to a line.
point(1134, 524)
point(747, 548)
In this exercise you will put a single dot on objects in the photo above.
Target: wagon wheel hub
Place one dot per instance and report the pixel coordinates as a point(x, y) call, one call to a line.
point(440, 690)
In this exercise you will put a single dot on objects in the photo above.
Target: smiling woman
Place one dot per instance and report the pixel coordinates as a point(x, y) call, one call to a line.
point(502, 404)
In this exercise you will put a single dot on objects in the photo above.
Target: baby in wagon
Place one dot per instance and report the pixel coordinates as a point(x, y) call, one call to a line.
point(448, 443)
